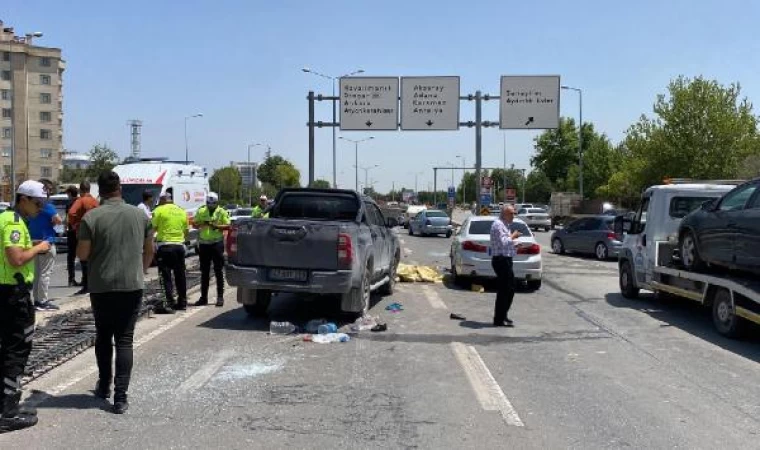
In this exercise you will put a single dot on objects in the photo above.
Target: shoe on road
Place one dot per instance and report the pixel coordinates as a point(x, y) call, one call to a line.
point(164, 309)
point(181, 306)
point(46, 306)
point(504, 324)
point(102, 390)
point(220, 301)
point(82, 291)
point(201, 302)
point(74, 283)
point(120, 407)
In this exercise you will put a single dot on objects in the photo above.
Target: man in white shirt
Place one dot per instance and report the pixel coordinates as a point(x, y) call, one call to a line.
point(146, 204)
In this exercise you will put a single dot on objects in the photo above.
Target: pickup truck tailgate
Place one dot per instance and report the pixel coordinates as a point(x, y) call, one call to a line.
point(292, 244)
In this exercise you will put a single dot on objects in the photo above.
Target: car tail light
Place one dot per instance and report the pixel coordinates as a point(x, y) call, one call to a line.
point(612, 235)
point(345, 251)
point(428, 223)
point(232, 241)
point(474, 247)
point(532, 249)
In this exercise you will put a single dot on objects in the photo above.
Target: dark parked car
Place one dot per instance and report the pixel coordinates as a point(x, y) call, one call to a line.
point(724, 232)
point(590, 235)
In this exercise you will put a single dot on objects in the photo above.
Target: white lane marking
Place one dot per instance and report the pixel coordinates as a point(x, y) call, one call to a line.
point(408, 251)
point(202, 375)
point(486, 389)
point(402, 241)
point(432, 296)
point(91, 369)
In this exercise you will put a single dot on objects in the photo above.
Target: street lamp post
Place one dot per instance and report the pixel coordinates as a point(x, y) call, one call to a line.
point(334, 115)
point(187, 152)
point(366, 172)
point(464, 185)
point(250, 174)
point(580, 134)
point(356, 156)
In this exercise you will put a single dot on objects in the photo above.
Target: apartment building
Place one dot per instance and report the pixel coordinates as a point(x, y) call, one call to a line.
point(31, 102)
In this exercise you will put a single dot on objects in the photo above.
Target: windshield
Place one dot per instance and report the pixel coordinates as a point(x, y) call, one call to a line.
point(321, 207)
point(436, 214)
point(243, 212)
point(133, 193)
point(680, 207)
point(481, 226)
point(521, 227)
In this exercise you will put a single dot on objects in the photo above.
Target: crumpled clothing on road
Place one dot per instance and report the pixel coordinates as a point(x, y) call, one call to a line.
point(408, 273)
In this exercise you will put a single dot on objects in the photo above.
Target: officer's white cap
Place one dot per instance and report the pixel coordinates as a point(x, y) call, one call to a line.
point(32, 188)
point(212, 197)
point(263, 197)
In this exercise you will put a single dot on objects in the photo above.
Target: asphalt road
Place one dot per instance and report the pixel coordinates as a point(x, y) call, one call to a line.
point(583, 368)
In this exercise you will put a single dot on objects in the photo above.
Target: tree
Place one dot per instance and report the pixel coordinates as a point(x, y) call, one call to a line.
point(227, 183)
point(701, 130)
point(470, 187)
point(320, 184)
point(102, 159)
point(557, 151)
point(70, 175)
point(750, 168)
point(538, 188)
point(513, 179)
point(279, 172)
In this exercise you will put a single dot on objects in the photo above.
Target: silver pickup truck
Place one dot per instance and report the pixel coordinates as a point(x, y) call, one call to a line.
point(315, 241)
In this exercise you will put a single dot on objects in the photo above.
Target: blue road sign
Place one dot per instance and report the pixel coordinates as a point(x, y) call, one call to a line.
point(452, 192)
point(485, 199)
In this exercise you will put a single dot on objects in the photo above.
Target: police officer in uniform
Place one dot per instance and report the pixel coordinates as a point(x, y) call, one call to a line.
point(260, 211)
point(212, 221)
point(16, 306)
point(171, 226)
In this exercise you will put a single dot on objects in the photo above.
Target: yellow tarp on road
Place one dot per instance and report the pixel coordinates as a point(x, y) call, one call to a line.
point(410, 274)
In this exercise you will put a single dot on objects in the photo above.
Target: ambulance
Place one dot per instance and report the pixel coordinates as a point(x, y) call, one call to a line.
point(188, 184)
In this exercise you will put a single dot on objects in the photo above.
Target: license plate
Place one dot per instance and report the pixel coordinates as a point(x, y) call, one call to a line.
point(288, 275)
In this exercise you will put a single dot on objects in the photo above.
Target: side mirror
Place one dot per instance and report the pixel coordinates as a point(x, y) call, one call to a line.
point(708, 205)
point(621, 226)
point(391, 222)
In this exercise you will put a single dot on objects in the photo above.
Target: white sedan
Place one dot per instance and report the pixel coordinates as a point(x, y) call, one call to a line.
point(535, 218)
point(471, 252)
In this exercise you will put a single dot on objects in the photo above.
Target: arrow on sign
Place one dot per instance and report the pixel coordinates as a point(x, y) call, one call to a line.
point(530, 121)
point(369, 123)
point(429, 123)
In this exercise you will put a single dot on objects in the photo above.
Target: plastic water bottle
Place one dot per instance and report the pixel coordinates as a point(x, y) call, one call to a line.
point(281, 328)
point(327, 328)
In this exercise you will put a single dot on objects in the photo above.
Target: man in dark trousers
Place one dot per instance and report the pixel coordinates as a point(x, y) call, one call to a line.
point(171, 226)
point(212, 222)
point(117, 241)
point(503, 250)
point(16, 307)
point(81, 206)
point(71, 238)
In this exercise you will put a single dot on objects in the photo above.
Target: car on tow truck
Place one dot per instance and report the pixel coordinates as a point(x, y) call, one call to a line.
point(648, 258)
point(329, 242)
point(471, 252)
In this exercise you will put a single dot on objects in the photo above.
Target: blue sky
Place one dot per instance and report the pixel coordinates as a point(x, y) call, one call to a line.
point(238, 62)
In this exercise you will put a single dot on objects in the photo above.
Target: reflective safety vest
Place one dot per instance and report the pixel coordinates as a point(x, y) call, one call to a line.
point(170, 223)
point(204, 218)
point(13, 233)
point(258, 213)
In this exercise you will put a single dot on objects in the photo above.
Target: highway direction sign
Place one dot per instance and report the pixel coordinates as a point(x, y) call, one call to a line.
point(529, 102)
point(452, 192)
point(368, 103)
point(429, 103)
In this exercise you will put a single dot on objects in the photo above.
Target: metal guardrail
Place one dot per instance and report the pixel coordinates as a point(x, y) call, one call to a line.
point(66, 335)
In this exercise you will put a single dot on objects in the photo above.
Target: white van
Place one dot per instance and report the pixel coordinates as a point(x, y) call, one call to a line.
point(187, 183)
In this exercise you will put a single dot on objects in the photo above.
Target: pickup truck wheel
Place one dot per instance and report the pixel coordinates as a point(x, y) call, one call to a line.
point(534, 285)
point(627, 287)
point(448, 234)
point(724, 314)
point(388, 288)
point(358, 296)
point(259, 309)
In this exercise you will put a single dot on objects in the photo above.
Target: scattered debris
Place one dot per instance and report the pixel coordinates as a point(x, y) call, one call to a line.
point(394, 307)
point(380, 327)
point(329, 338)
point(313, 325)
point(281, 328)
point(364, 323)
point(412, 274)
point(455, 316)
point(477, 288)
point(327, 328)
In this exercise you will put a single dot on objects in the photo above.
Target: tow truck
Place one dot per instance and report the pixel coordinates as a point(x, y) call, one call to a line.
point(649, 260)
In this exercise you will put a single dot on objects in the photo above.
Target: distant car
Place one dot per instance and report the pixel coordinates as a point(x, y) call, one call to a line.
point(589, 235)
point(471, 252)
point(231, 207)
point(535, 218)
point(430, 222)
point(523, 205)
point(723, 232)
point(240, 213)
